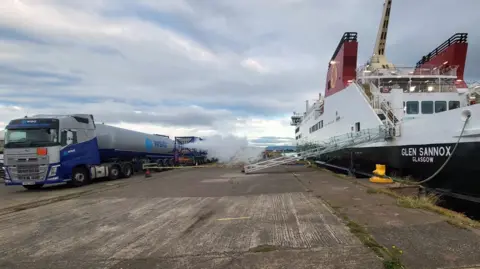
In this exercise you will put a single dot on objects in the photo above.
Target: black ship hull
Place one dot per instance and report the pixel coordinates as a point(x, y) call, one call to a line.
point(460, 175)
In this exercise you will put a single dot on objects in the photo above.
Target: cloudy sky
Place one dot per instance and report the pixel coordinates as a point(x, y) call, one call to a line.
point(201, 67)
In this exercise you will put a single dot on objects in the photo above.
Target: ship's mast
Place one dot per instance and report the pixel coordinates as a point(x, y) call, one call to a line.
point(378, 59)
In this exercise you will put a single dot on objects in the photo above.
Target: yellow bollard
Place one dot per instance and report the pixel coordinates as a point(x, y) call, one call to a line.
point(380, 176)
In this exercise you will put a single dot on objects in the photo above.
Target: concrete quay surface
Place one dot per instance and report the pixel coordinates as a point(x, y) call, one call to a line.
point(426, 239)
point(220, 218)
point(194, 218)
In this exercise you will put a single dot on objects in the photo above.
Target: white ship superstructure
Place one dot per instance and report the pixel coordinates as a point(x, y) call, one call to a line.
point(424, 109)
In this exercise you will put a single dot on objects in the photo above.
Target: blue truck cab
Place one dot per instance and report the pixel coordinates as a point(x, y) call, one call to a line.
point(50, 149)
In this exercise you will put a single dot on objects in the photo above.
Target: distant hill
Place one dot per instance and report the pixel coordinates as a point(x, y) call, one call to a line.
point(281, 148)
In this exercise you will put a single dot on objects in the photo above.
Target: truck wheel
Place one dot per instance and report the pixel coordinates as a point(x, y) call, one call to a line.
point(114, 172)
point(33, 187)
point(137, 166)
point(127, 170)
point(80, 177)
point(160, 164)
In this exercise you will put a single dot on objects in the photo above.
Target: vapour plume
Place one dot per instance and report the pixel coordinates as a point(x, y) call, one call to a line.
point(228, 149)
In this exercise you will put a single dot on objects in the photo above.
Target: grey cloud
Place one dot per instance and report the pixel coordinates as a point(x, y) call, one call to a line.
point(259, 94)
point(183, 118)
point(113, 112)
point(9, 33)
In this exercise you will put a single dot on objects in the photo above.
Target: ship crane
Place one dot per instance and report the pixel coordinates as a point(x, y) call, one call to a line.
point(473, 93)
point(378, 59)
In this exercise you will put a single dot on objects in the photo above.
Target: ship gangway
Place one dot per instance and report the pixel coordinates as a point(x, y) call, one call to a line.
point(329, 145)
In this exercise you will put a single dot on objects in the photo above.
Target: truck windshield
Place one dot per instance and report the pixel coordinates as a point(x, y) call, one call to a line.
point(22, 138)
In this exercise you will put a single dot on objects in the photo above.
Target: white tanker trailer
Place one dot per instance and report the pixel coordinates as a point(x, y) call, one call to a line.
point(50, 149)
point(123, 144)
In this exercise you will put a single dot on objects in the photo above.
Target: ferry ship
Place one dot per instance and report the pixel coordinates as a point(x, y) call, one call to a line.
point(430, 115)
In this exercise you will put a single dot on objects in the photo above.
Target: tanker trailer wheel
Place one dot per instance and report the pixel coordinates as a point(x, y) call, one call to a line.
point(80, 177)
point(127, 170)
point(114, 172)
point(160, 164)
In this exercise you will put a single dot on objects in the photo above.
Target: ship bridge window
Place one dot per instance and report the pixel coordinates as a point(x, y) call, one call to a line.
point(427, 107)
point(412, 107)
point(440, 106)
point(317, 126)
point(453, 104)
point(297, 130)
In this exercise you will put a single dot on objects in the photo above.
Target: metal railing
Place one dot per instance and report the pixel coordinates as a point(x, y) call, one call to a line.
point(397, 71)
point(347, 37)
point(316, 149)
point(455, 39)
point(377, 101)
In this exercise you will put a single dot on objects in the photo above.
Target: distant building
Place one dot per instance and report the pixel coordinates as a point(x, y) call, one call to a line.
point(281, 148)
point(277, 151)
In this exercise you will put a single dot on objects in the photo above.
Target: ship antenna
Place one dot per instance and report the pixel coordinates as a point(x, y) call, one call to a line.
point(378, 59)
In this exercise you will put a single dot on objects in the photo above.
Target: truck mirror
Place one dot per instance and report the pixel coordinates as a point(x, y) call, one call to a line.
point(69, 137)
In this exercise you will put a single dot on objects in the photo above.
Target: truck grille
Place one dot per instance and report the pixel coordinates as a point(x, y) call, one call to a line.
point(28, 169)
point(26, 166)
point(28, 172)
point(27, 160)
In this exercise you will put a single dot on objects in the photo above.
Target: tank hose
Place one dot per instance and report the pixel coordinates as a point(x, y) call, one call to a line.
point(449, 157)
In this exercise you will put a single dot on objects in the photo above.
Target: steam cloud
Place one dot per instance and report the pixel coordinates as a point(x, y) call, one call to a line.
point(228, 149)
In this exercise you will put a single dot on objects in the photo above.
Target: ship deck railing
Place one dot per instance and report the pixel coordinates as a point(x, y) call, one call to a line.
point(386, 86)
point(408, 72)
